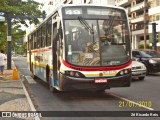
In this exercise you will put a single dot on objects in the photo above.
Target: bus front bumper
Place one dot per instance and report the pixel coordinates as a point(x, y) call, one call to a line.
point(70, 83)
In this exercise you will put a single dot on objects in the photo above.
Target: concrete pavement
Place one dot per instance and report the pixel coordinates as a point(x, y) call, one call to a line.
point(13, 94)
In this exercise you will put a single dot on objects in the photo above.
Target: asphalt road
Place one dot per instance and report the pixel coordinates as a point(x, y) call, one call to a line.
point(115, 99)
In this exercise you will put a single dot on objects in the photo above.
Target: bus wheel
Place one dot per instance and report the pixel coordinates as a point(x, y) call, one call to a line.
point(48, 78)
point(32, 71)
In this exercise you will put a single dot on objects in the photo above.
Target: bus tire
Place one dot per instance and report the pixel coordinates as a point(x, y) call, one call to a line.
point(32, 71)
point(47, 74)
point(48, 78)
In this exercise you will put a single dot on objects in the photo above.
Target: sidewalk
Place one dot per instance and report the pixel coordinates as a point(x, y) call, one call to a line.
point(13, 95)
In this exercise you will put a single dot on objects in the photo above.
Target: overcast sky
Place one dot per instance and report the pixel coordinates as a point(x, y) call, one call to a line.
point(40, 1)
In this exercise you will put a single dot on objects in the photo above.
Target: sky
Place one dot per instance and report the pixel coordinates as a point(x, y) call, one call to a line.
point(40, 1)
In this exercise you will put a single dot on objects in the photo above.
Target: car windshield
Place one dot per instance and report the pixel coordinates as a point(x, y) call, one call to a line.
point(144, 54)
point(153, 53)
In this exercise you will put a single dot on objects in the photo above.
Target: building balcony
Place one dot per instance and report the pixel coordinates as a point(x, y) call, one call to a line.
point(154, 10)
point(139, 31)
point(139, 18)
point(122, 2)
point(137, 6)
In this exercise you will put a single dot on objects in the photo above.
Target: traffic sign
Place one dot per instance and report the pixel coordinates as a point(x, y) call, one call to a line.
point(2, 16)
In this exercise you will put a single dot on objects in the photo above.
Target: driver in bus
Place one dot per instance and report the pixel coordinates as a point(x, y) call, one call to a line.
point(77, 39)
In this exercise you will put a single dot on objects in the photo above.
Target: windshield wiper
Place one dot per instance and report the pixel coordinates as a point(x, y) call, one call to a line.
point(85, 25)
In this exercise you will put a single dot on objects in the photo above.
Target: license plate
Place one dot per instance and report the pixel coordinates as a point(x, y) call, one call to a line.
point(101, 80)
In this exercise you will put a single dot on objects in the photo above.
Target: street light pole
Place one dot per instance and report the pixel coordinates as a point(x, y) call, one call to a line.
point(9, 42)
point(145, 31)
point(154, 37)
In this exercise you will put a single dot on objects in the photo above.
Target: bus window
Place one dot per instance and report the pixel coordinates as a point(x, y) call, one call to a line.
point(39, 38)
point(35, 40)
point(49, 28)
point(44, 35)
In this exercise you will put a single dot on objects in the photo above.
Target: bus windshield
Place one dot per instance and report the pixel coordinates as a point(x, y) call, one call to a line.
point(97, 42)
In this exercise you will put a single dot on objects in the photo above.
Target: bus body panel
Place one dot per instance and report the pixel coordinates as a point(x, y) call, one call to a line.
point(70, 83)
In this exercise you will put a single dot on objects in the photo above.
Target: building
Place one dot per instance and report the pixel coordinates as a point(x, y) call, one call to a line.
point(154, 17)
point(138, 14)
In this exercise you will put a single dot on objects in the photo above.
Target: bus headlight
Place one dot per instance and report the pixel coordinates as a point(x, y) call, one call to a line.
point(124, 72)
point(74, 74)
point(71, 73)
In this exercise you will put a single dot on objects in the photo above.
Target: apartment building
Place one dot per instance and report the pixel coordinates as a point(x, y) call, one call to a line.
point(154, 17)
point(138, 20)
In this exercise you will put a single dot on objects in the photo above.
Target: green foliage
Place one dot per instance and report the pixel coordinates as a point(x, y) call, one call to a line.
point(21, 49)
point(3, 35)
point(141, 46)
point(17, 8)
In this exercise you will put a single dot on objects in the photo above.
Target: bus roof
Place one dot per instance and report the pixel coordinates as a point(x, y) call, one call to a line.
point(72, 5)
point(94, 5)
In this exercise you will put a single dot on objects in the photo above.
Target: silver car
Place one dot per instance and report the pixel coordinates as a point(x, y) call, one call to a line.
point(138, 70)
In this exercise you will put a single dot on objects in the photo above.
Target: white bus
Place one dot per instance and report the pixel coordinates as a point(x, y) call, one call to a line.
point(82, 47)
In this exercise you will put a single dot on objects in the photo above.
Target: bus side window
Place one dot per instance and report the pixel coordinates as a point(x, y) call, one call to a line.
point(48, 32)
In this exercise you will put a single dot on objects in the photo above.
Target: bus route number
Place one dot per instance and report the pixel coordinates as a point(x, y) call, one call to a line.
point(73, 12)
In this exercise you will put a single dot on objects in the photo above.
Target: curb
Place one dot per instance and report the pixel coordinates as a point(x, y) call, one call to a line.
point(26, 93)
point(29, 100)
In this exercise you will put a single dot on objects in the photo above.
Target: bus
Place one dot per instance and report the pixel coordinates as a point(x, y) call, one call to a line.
point(82, 47)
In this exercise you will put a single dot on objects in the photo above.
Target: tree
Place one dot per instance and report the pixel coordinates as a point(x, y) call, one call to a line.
point(141, 46)
point(17, 36)
point(18, 8)
point(3, 34)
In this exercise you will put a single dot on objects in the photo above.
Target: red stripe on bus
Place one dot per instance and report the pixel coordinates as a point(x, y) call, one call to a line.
point(41, 50)
point(104, 68)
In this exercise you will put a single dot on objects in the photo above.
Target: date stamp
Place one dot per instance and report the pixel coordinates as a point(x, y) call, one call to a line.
point(131, 104)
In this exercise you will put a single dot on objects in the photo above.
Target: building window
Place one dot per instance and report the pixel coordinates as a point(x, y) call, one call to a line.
point(158, 4)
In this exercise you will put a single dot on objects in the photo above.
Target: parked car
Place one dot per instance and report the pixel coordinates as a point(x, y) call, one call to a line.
point(138, 70)
point(150, 58)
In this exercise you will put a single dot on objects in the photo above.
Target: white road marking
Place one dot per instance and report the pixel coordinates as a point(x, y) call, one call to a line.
point(29, 100)
point(137, 104)
point(30, 80)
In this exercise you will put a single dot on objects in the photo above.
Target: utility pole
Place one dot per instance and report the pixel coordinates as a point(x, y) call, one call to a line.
point(9, 42)
point(145, 31)
point(154, 37)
